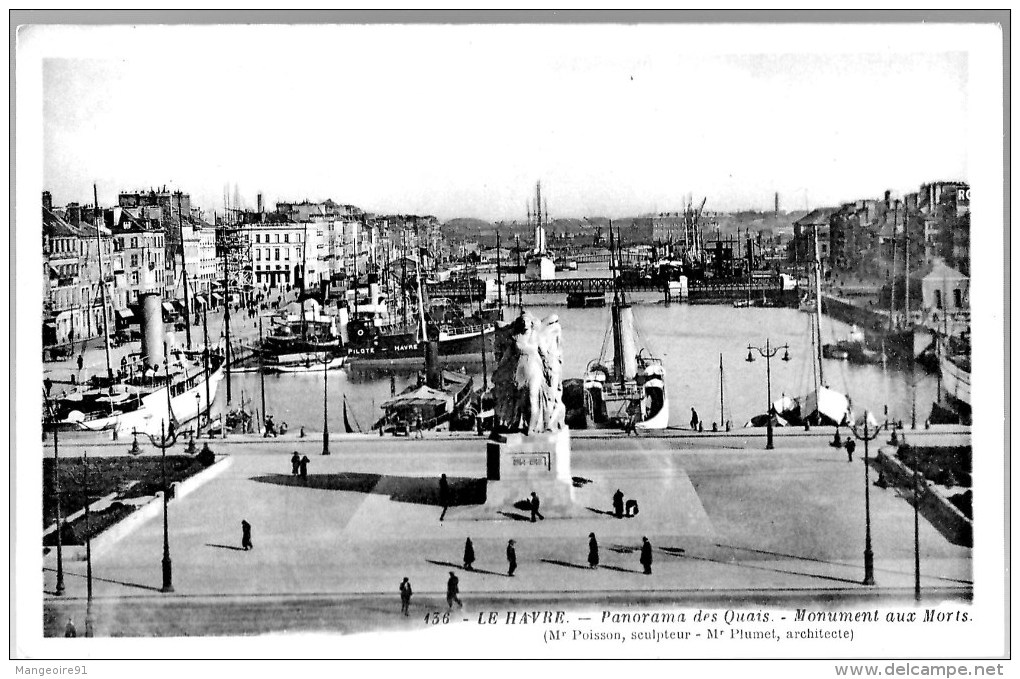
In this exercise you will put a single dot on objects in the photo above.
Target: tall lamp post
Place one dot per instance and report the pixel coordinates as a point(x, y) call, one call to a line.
point(163, 443)
point(867, 435)
point(60, 521)
point(768, 352)
point(325, 404)
point(83, 481)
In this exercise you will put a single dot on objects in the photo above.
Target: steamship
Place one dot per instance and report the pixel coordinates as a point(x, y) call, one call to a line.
point(156, 389)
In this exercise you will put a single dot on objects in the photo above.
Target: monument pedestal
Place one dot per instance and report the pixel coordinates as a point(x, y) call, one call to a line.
point(517, 464)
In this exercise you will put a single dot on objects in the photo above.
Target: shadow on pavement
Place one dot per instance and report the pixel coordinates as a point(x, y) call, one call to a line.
point(460, 567)
point(115, 582)
point(622, 549)
point(236, 549)
point(413, 489)
point(740, 564)
point(600, 511)
point(621, 569)
point(557, 562)
point(515, 516)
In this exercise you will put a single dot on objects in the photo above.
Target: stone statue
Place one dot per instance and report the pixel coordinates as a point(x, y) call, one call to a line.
point(527, 383)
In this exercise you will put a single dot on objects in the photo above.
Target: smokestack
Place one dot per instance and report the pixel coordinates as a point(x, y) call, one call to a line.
point(152, 329)
point(777, 205)
point(433, 368)
point(260, 202)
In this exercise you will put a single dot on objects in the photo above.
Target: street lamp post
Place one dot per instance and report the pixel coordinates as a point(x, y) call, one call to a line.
point(89, 619)
point(866, 436)
point(60, 520)
point(325, 404)
point(164, 443)
point(917, 537)
point(768, 352)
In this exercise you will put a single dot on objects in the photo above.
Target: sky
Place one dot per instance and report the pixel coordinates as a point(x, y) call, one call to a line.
point(461, 121)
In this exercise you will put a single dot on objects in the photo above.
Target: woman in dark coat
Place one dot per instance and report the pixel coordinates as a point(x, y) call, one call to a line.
point(646, 556)
point(469, 555)
point(246, 536)
point(511, 558)
point(593, 551)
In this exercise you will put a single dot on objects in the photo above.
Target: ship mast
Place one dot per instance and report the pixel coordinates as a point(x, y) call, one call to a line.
point(818, 314)
point(102, 290)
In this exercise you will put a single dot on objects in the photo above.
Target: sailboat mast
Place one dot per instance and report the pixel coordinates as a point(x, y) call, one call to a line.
point(226, 316)
point(481, 318)
point(262, 375)
point(906, 271)
point(818, 308)
point(304, 276)
point(205, 354)
point(421, 304)
point(499, 276)
point(184, 266)
point(102, 288)
point(892, 280)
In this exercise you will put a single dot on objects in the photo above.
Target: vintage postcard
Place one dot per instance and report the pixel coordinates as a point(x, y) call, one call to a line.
point(539, 336)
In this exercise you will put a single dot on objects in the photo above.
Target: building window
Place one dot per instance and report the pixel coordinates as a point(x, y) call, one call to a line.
point(286, 253)
point(134, 242)
point(258, 255)
point(134, 278)
point(277, 240)
point(277, 253)
point(134, 260)
point(286, 238)
point(938, 299)
point(957, 298)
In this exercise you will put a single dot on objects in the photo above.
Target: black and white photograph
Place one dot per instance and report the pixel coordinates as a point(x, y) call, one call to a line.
point(514, 336)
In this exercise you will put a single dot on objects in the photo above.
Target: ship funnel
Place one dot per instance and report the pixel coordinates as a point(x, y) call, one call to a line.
point(624, 348)
point(433, 366)
point(152, 329)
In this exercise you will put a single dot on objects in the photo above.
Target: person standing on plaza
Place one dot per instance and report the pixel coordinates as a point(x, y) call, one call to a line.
point(81, 361)
point(246, 536)
point(295, 464)
point(618, 503)
point(453, 590)
point(535, 504)
point(593, 551)
point(851, 446)
point(304, 468)
point(646, 555)
point(469, 555)
point(405, 596)
point(695, 420)
point(511, 558)
point(444, 495)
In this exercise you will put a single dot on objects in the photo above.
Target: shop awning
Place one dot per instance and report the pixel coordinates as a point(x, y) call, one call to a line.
point(125, 313)
point(169, 308)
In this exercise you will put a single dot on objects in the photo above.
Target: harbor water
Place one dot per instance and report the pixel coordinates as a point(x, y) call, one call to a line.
point(688, 338)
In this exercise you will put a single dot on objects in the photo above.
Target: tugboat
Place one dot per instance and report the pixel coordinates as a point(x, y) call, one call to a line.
point(301, 342)
point(632, 391)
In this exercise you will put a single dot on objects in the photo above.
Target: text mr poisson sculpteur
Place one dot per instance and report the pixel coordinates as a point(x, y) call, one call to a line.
point(527, 383)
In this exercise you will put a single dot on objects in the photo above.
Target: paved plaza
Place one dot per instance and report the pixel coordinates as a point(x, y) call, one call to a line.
point(731, 525)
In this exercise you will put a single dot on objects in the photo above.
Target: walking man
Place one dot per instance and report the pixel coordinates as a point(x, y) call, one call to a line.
point(593, 551)
point(618, 503)
point(81, 361)
point(535, 504)
point(246, 536)
point(851, 446)
point(444, 495)
point(469, 555)
point(646, 555)
point(295, 464)
point(304, 468)
point(405, 596)
point(452, 590)
point(695, 420)
point(511, 558)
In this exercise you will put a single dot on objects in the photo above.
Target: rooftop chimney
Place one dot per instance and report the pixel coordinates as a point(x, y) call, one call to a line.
point(47, 200)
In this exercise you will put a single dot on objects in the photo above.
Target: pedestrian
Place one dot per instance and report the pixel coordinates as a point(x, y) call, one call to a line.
point(632, 508)
point(618, 503)
point(837, 442)
point(511, 558)
point(48, 383)
point(417, 427)
point(851, 445)
point(452, 590)
point(469, 555)
point(295, 464)
point(631, 426)
point(535, 504)
point(304, 468)
point(405, 596)
point(246, 536)
point(444, 495)
point(81, 361)
point(593, 551)
point(646, 555)
point(695, 420)
point(69, 629)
